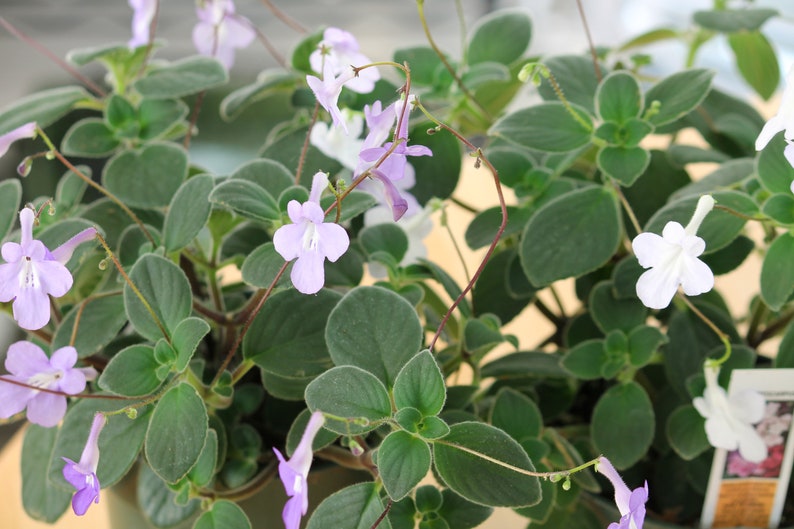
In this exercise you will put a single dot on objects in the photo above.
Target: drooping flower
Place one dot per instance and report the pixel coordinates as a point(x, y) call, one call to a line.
point(28, 364)
point(295, 471)
point(28, 130)
point(143, 14)
point(327, 91)
point(782, 121)
point(220, 30)
point(32, 273)
point(309, 240)
point(630, 503)
point(730, 419)
point(82, 475)
point(673, 260)
point(339, 49)
point(334, 143)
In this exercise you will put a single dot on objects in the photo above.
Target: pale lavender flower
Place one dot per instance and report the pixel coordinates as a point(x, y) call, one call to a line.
point(630, 503)
point(339, 49)
point(143, 14)
point(28, 130)
point(29, 365)
point(309, 240)
point(673, 260)
point(295, 471)
point(220, 31)
point(82, 475)
point(327, 91)
point(379, 122)
point(730, 419)
point(32, 273)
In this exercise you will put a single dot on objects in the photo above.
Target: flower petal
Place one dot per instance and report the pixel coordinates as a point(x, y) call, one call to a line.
point(26, 359)
point(648, 248)
point(696, 277)
point(288, 240)
point(751, 445)
point(771, 127)
point(308, 273)
point(13, 398)
point(64, 252)
point(46, 409)
point(31, 309)
point(656, 287)
point(333, 240)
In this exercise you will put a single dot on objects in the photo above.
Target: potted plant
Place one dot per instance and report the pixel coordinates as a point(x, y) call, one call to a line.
point(208, 334)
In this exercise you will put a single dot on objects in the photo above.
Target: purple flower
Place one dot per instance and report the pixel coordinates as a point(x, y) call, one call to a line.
point(630, 503)
point(82, 475)
point(220, 30)
point(310, 240)
point(328, 89)
point(32, 273)
point(28, 364)
point(28, 130)
point(339, 51)
point(294, 472)
point(143, 14)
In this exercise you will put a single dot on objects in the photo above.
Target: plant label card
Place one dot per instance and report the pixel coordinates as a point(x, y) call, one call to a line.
point(745, 494)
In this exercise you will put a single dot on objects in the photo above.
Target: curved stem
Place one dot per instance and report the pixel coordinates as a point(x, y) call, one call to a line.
point(590, 44)
point(305, 147)
point(713, 326)
point(286, 19)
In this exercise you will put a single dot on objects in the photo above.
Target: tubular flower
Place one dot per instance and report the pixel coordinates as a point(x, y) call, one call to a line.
point(339, 50)
point(673, 260)
point(143, 14)
point(309, 240)
point(782, 121)
point(31, 273)
point(28, 130)
point(729, 420)
point(295, 471)
point(82, 475)
point(28, 364)
point(327, 92)
point(220, 31)
point(630, 503)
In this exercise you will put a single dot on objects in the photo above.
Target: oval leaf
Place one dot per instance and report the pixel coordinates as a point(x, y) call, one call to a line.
point(146, 178)
point(188, 212)
point(223, 514)
point(403, 461)
point(777, 274)
point(182, 78)
point(529, 128)
point(623, 424)
point(247, 199)
point(678, 94)
point(420, 385)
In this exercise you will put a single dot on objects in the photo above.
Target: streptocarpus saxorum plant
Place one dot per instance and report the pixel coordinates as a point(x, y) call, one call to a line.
point(218, 383)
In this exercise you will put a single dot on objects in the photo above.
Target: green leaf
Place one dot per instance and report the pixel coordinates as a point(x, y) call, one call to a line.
point(374, 329)
point(424, 63)
point(270, 175)
point(146, 178)
point(623, 424)
point(461, 513)
point(223, 514)
point(529, 128)
point(610, 313)
point(268, 82)
point(686, 432)
point(42, 500)
point(177, 432)
point(158, 501)
point(502, 289)
point(732, 20)
point(355, 507)
point(350, 392)
point(777, 274)
point(100, 319)
point(158, 116)
point(403, 461)
point(44, 107)
point(757, 61)
point(201, 475)
point(10, 195)
point(90, 138)
point(624, 164)
point(181, 78)
point(644, 341)
point(516, 414)
point(188, 212)
point(678, 94)
point(773, 169)
point(540, 512)
point(444, 165)
point(484, 481)
point(121, 115)
point(619, 97)
point(483, 227)
point(488, 42)
point(585, 359)
point(785, 352)
point(482, 334)
point(576, 76)
point(167, 291)
point(528, 363)
point(119, 443)
point(247, 199)
point(570, 236)
point(132, 372)
point(356, 203)
point(389, 238)
point(261, 266)
point(420, 385)
point(287, 346)
point(186, 339)
point(780, 208)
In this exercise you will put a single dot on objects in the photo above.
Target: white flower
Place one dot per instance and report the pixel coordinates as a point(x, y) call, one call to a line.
point(335, 143)
point(673, 260)
point(729, 419)
point(782, 121)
